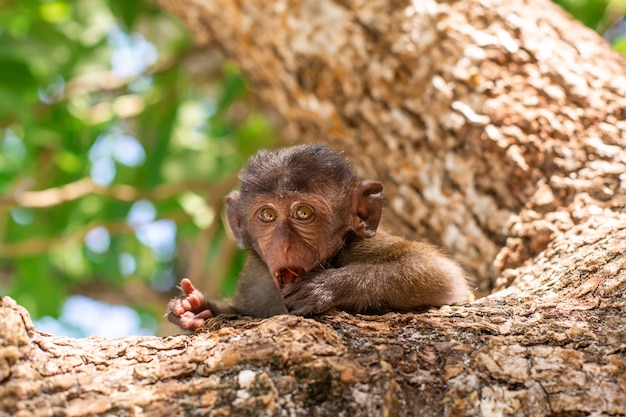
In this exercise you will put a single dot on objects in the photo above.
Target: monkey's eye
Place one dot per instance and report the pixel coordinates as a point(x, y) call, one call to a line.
point(303, 213)
point(267, 215)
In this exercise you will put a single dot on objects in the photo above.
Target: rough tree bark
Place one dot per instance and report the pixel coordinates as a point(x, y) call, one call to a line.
point(498, 128)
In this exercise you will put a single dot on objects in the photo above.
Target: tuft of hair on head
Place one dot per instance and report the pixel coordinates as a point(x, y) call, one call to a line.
point(301, 168)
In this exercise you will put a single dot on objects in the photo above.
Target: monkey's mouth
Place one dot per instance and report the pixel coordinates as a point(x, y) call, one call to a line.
point(287, 275)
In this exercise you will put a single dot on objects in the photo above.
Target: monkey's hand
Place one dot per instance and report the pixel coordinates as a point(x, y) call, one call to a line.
point(191, 310)
point(311, 294)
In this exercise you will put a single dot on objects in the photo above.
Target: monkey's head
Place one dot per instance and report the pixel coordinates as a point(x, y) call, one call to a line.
point(297, 206)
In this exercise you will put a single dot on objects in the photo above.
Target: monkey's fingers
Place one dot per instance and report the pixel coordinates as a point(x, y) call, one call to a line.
point(187, 286)
point(190, 321)
point(176, 307)
point(299, 301)
point(193, 300)
point(308, 297)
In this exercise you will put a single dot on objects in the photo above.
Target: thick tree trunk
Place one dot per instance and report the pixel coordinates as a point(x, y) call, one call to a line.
point(498, 128)
point(488, 122)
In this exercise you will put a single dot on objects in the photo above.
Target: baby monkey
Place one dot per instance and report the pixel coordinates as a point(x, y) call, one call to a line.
point(310, 228)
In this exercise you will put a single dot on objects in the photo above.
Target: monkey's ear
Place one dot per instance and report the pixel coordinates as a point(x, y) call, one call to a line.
point(233, 213)
point(367, 207)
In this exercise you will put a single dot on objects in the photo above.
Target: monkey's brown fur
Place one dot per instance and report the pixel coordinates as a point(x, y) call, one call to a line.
point(310, 227)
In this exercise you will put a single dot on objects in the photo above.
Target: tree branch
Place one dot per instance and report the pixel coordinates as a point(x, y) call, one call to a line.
point(40, 245)
point(83, 187)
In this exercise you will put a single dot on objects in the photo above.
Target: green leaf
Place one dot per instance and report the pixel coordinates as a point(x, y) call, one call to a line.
point(620, 45)
point(36, 287)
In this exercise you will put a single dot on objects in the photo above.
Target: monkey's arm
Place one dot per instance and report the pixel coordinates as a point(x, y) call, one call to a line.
point(378, 275)
point(257, 295)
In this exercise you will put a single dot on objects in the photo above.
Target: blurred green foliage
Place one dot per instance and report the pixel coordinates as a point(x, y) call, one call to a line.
point(604, 16)
point(590, 12)
point(111, 95)
point(103, 106)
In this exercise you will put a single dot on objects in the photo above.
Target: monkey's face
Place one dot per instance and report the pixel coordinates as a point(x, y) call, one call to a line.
point(295, 234)
point(295, 207)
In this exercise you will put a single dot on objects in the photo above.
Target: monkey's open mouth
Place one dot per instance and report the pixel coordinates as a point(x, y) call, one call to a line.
point(285, 276)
